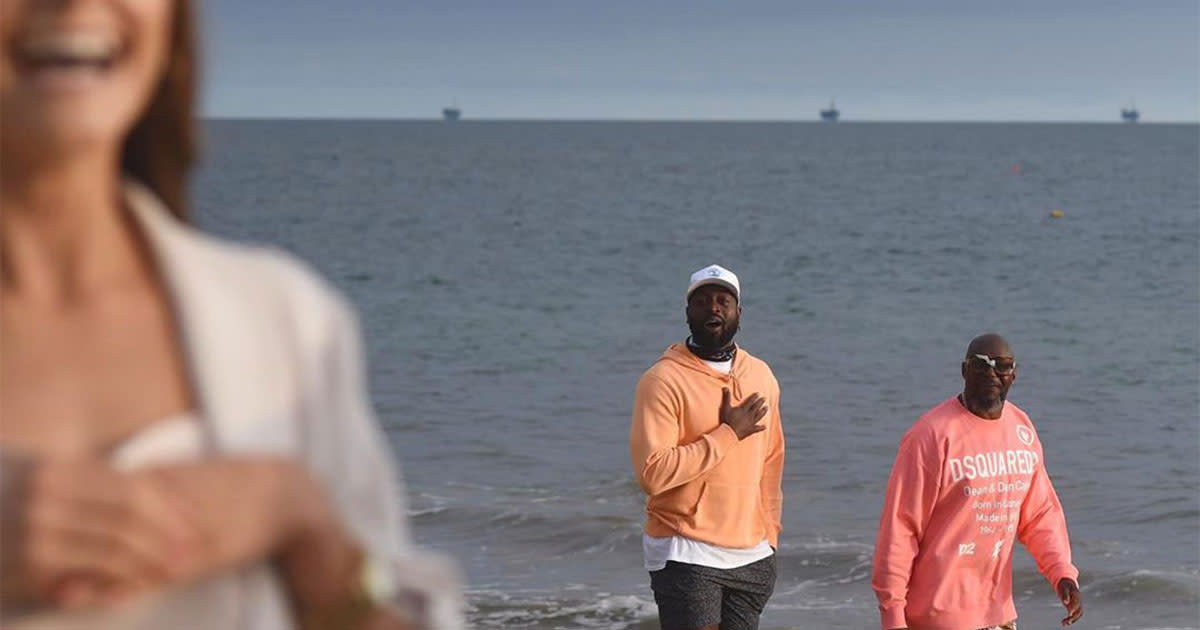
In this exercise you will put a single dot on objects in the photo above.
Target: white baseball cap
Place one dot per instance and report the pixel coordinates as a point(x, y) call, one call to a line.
point(715, 274)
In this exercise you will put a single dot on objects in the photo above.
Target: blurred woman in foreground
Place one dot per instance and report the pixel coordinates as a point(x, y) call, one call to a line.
point(185, 437)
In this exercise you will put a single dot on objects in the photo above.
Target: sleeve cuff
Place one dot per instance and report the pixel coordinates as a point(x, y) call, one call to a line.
point(426, 591)
point(893, 618)
point(1059, 573)
point(724, 438)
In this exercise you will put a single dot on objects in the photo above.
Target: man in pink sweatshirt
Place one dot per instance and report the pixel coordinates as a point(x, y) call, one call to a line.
point(970, 478)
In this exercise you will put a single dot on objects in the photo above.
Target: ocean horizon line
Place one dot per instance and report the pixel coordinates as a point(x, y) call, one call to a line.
point(749, 121)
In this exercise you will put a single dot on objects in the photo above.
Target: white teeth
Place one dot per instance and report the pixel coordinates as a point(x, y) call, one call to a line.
point(81, 46)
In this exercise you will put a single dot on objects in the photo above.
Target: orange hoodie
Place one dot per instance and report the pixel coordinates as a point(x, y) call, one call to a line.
point(703, 483)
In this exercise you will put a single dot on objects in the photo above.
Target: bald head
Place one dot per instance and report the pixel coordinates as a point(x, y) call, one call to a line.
point(990, 344)
point(985, 381)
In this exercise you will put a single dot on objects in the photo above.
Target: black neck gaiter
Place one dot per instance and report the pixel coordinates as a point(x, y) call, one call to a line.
point(708, 354)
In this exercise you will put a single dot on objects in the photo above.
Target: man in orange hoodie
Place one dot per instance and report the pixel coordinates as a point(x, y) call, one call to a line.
point(707, 448)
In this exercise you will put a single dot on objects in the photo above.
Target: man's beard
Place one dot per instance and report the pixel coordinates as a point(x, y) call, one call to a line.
point(705, 338)
point(991, 402)
point(988, 400)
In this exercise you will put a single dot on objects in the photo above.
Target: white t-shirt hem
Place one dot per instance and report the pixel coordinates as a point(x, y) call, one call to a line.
point(657, 552)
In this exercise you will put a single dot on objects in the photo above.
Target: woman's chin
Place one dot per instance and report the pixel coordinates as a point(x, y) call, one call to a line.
point(65, 126)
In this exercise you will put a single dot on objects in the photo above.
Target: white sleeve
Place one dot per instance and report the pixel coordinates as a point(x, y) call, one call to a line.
point(349, 453)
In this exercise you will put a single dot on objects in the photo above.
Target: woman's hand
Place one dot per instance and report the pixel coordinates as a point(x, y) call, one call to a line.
point(259, 509)
point(245, 509)
point(90, 535)
point(78, 532)
point(250, 510)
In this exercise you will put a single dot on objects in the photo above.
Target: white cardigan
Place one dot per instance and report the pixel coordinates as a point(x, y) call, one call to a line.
point(274, 358)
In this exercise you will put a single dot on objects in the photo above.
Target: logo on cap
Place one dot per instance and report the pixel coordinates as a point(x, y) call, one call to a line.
point(715, 274)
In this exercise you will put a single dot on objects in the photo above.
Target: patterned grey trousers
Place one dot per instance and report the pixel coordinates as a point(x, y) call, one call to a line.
point(694, 596)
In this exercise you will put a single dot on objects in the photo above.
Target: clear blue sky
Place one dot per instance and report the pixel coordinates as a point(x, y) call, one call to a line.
point(1070, 60)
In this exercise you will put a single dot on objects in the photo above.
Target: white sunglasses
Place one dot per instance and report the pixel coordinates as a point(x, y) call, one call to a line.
point(1000, 365)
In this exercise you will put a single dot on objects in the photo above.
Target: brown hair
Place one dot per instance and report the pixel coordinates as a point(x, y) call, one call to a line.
point(161, 148)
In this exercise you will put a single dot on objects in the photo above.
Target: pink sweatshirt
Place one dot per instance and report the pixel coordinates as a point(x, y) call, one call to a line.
point(961, 489)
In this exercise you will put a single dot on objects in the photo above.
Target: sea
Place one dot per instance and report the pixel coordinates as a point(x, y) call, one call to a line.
point(514, 279)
